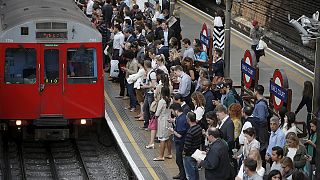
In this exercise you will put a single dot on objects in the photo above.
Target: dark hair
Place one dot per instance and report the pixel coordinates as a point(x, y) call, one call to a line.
point(287, 162)
point(291, 119)
point(228, 82)
point(129, 54)
point(307, 89)
point(214, 132)
point(135, 6)
point(176, 107)
point(282, 112)
point(157, 42)
point(165, 93)
point(191, 116)
point(278, 150)
point(260, 89)
point(250, 131)
point(250, 164)
point(219, 52)
point(221, 108)
point(212, 115)
point(186, 41)
point(273, 173)
point(147, 4)
point(298, 175)
point(314, 121)
point(117, 26)
point(150, 37)
point(248, 110)
point(198, 42)
point(164, 79)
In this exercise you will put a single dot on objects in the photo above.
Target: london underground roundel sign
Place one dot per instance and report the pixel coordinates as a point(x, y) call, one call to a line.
point(278, 88)
point(204, 37)
point(247, 68)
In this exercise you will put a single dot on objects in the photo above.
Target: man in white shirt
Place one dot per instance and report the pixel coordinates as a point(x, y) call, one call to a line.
point(188, 52)
point(118, 41)
point(89, 9)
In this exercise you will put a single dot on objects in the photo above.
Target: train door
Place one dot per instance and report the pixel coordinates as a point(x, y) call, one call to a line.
point(51, 82)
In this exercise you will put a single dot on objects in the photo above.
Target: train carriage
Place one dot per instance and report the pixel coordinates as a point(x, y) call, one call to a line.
point(51, 71)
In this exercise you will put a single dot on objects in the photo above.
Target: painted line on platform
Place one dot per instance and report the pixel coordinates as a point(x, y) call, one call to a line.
point(306, 72)
point(131, 139)
point(125, 151)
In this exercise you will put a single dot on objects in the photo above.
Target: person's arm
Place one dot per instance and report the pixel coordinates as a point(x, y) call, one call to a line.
point(183, 86)
point(187, 142)
point(299, 159)
point(230, 135)
point(281, 140)
point(211, 161)
point(159, 108)
point(191, 72)
point(259, 112)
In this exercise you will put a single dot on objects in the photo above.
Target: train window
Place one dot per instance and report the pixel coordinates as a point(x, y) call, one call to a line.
point(51, 66)
point(20, 66)
point(82, 65)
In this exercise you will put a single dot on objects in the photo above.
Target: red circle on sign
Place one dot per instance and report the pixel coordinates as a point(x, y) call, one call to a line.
point(204, 31)
point(248, 60)
point(277, 79)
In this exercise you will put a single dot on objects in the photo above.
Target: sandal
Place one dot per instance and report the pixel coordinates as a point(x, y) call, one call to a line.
point(168, 156)
point(158, 159)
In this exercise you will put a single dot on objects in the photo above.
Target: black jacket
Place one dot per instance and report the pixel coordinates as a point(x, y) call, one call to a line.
point(217, 162)
point(218, 68)
point(107, 12)
point(227, 130)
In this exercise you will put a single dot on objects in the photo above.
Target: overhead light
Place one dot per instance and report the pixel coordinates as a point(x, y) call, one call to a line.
point(18, 122)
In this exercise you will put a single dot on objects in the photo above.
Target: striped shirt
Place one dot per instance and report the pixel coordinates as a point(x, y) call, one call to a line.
point(192, 140)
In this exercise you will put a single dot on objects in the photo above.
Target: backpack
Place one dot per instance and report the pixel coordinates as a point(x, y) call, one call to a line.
point(149, 77)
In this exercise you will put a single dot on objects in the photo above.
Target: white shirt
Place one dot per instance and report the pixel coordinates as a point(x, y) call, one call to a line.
point(260, 172)
point(223, 120)
point(165, 37)
point(199, 111)
point(89, 9)
point(118, 40)
point(244, 127)
point(276, 166)
point(291, 153)
point(292, 129)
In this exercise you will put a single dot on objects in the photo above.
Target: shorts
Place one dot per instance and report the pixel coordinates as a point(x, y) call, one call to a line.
point(139, 95)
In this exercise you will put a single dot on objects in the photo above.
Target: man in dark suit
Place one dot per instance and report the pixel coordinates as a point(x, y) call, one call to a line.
point(128, 33)
point(208, 95)
point(226, 126)
point(217, 162)
point(107, 12)
point(177, 98)
point(161, 49)
point(218, 66)
point(166, 34)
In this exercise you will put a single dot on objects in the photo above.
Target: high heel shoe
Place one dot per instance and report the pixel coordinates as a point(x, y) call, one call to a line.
point(150, 146)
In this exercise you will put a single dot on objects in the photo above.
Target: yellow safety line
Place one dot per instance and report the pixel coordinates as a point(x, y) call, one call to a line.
point(131, 139)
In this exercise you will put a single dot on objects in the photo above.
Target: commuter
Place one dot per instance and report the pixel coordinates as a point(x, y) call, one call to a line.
point(137, 80)
point(250, 167)
point(226, 126)
point(160, 60)
point(256, 34)
point(228, 98)
point(118, 41)
point(276, 157)
point(173, 43)
point(163, 113)
point(177, 27)
point(174, 59)
point(188, 50)
point(274, 175)
point(189, 69)
point(217, 67)
point(255, 155)
point(166, 33)
point(295, 150)
point(158, 30)
point(198, 101)
point(148, 11)
point(140, 37)
point(128, 33)
point(250, 142)
point(289, 123)
point(261, 106)
point(311, 148)
point(196, 43)
point(208, 95)
point(184, 85)
point(152, 56)
point(200, 56)
point(288, 168)
point(127, 55)
point(107, 11)
point(149, 85)
point(217, 162)
point(131, 68)
point(235, 115)
point(89, 9)
point(191, 144)
point(161, 49)
point(177, 98)
point(179, 132)
point(203, 75)
point(277, 137)
point(307, 96)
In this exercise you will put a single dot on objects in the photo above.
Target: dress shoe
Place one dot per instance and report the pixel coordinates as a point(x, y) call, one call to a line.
point(176, 177)
point(150, 146)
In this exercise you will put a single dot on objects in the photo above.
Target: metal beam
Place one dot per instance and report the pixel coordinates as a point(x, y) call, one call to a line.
point(227, 39)
point(316, 103)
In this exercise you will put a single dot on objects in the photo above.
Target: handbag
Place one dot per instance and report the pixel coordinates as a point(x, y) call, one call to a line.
point(153, 106)
point(153, 123)
point(262, 45)
point(114, 69)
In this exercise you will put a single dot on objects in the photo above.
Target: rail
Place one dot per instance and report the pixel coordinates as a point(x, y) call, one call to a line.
point(79, 157)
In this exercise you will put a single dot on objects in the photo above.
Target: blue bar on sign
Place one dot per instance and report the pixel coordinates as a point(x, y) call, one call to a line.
point(278, 91)
point(248, 70)
point(204, 40)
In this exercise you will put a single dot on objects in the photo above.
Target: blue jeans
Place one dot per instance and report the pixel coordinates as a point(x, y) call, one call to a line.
point(191, 168)
point(148, 98)
point(133, 99)
point(179, 160)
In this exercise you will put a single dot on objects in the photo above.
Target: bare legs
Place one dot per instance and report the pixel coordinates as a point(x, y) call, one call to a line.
point(151, 142)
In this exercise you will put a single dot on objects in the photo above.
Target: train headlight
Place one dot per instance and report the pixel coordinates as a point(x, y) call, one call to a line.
point(83, 121)
point(18, 122)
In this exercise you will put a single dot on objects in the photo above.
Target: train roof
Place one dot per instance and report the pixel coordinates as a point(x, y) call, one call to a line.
point(16, 12)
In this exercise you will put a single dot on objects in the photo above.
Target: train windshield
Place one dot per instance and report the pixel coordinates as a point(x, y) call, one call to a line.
point(82, 65)
point(20, 66)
